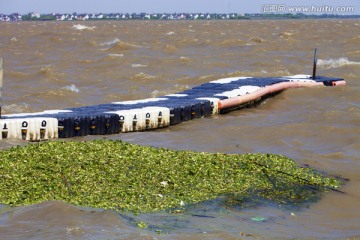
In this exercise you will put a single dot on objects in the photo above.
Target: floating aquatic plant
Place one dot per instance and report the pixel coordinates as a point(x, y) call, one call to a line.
point(123, 176)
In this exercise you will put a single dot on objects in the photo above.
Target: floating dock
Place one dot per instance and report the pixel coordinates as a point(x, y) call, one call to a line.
point(219, 96)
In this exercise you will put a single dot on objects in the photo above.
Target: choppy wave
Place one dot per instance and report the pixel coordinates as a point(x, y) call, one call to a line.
point(109, 43)
point(354, 40)
point(193, 42)
point(15, 108)
point(336, 63)
point(286, 35)
point(71, 88)
point(83, 27)
point(16, 75)
point(355, 52)
point(257, 40)
point(142, 76)
point(260, 73)
point(115, 55)
point(187, 41)
point(170, 48)
point(47, 70)
point(185, 59)
point(232, 42)
point(176, 88)
point(50, 72)
point(122, 46)
point(137, 65)
point(56, 93)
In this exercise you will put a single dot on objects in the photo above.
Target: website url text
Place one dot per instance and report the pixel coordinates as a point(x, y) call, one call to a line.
point(282, 8)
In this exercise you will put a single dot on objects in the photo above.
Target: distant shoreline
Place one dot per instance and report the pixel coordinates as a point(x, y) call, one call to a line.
point(163, 16)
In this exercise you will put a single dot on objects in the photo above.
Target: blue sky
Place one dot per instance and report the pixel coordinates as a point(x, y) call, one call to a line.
point(160, 6)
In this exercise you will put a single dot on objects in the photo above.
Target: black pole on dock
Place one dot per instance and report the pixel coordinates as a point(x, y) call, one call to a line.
point(314, 66)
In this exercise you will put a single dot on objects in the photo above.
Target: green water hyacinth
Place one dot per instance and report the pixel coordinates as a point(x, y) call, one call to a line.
point(127, 177)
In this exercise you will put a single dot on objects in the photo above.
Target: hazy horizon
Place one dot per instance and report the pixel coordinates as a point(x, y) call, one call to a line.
point(162, 6)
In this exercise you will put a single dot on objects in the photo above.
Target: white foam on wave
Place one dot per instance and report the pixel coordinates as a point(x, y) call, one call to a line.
point(170, 33)
point(142, 75)
point(335, 63)
point(115, 55)
point(109, 43)
point(137, 65)
point(71, 88)
point(83, 27)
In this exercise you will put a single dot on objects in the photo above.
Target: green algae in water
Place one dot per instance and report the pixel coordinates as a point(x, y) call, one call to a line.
point(127, 177)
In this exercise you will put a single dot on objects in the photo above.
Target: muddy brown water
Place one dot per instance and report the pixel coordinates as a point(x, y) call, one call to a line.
point(55, 65)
